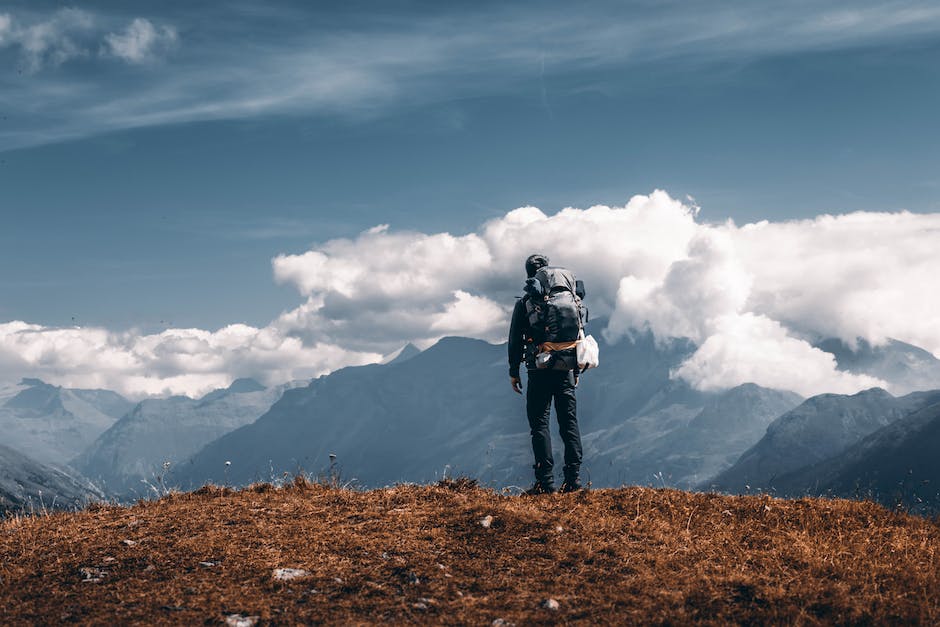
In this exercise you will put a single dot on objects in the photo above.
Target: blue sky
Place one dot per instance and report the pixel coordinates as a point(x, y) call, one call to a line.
point(154, 158)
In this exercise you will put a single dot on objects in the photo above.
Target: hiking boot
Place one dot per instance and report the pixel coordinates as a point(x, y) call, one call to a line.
point(572, 485)
point(540, 488)
point(572, 481)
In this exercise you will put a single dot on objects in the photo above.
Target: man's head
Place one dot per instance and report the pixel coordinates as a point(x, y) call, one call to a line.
point(533, 263)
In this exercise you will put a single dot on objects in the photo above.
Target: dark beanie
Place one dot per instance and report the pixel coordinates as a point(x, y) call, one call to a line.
point(533, 263)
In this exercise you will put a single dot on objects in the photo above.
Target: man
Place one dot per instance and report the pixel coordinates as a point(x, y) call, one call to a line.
point(544, 386)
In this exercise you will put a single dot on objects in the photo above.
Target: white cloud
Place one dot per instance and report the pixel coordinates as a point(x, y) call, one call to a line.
point(6, 25)
point(751, 297)
point(752, 348)
point(379, 63)
point(140, 41)
point(67, 34)
point(49, 42)
point(176, 361)
point(385, 287)
point(869, 275)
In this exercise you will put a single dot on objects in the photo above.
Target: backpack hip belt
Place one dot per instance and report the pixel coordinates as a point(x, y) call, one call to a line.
point(557, 346)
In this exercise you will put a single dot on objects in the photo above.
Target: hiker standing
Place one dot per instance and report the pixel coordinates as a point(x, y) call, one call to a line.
point(546, 324)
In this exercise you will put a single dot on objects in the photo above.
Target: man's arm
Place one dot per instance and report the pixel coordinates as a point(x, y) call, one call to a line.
point(517, 328)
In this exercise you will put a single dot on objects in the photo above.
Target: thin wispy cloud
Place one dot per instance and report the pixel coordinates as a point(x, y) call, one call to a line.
point(367, 65)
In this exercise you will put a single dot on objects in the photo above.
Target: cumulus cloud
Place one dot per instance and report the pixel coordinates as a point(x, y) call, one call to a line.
point(140, 41)
point(753, 298)
point(176, 361)
point(752, 348)
point(383, 287)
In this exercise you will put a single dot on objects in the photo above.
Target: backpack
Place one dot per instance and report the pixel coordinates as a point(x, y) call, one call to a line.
point(555, 316)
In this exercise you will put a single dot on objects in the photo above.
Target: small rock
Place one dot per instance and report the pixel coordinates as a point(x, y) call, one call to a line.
point(286, 574)
point(420, 606)
point(425, 601)
point(487, 521)
point(385, 555)
point(502, 622)
point(558, 529)
point(550, 605)
point(339, 580)
point(237, 620)
point(208, 564)
point(91, 574)
point(109, 560)
point(129, 542)
point(441, 567)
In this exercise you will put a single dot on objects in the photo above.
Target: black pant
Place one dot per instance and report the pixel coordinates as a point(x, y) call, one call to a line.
point(542, 387)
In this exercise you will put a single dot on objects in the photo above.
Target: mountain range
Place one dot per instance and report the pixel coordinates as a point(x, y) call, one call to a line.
point(820, 428)
point(450, 409)
point(52, 424)
point(151, 438)
point(420, 415)
point(897, 465)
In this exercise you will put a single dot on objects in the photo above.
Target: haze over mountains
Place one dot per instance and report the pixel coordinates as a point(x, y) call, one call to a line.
point(897, 464)
point(54, 424)
point(906, 367)
point(133, 451)
point(449, 410)
point(28, 485)
point(820, 428)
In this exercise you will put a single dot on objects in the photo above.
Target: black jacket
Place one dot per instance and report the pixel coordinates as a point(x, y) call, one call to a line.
point(519, 335)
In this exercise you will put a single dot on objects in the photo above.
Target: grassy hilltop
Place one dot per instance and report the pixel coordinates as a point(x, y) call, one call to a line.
point(455, 553)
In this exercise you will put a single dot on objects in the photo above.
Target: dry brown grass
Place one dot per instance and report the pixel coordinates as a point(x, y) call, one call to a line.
point(420, 554)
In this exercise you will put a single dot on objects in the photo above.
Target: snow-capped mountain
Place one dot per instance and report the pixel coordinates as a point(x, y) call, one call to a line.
point(157, 431)
point(53, 424)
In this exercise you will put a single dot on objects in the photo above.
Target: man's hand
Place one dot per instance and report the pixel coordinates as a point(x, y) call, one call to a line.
point(516, 383)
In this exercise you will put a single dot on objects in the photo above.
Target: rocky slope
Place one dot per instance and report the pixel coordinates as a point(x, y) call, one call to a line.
point(30, 486)
point(897, 465)
point(821, 427)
